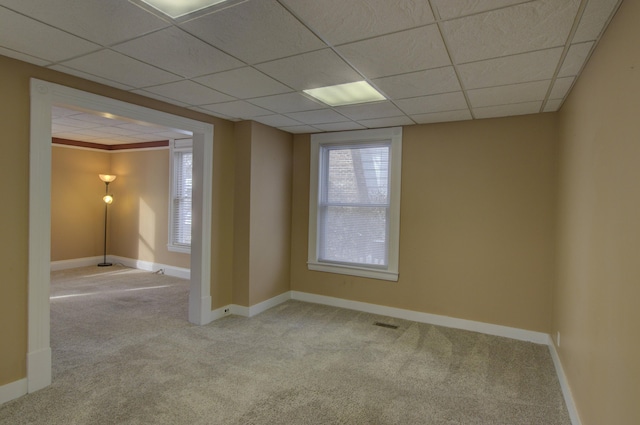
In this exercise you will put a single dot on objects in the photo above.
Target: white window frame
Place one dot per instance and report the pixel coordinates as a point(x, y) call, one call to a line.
point(354, 138)
point(176, 146)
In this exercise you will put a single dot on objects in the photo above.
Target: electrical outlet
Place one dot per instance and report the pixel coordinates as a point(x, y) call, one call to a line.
point(558, 339)
point(226, 310)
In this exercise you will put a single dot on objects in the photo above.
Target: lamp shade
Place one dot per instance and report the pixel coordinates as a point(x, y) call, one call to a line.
point(108, 199)
point(107, 178)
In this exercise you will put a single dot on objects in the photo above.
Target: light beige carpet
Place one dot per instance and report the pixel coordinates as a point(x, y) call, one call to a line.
point(124, 353)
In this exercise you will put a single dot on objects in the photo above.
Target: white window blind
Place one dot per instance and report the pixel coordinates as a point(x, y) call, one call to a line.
point(181, 191)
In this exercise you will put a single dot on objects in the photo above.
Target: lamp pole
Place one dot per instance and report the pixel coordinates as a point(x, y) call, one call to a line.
point(106, 178)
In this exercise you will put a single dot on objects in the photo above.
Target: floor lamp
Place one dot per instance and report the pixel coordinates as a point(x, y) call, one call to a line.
point(108, 199)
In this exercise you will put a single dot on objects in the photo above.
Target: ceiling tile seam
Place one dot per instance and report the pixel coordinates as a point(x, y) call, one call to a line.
point(148, 64)
point(164, 98)
point(146, 88)
point(91, 74)
point(512, 84)
point(272, 112)
point(210, 10)
point(439, 19)
point(401, 74)
point(49, 62)
point(333, 48)
point(455, 66)
point(565, 51)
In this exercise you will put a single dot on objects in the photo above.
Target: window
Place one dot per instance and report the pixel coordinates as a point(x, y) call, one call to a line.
point(354, 204)
point(180, 168)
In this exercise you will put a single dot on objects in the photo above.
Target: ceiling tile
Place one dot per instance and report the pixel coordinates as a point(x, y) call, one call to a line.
point(436, 103)
point(398, 53)
point(115, 130)
point(90, 118)
point(300, 129)
point(521, 68)
point(523, 28)
point(448, 116)
point(370, 110)
point(118, 67)
point(75, 123)
point(213, 114)
point(100, 21)
point(255, 31)
point(74, 136)
point(190, 93)
point(421, 83)
point(553, 105)
point(90, 77)
point(342, 21)
point(504, 95)
point(243, 83)
point(238, 109)
point(448, 9)
point(561, 87)
point(507, 110)
point(575, 59)
point(594, 18)
point(23, 57)
point(311, 70)
point(322, 116)
point(155, 96)
point(176, 51)
point(33, 38)
point(276, 121)
point(387, 122)
point(339, 126)
point(289, 102)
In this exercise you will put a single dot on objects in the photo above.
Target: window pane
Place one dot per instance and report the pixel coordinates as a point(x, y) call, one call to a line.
point(354, 235)
point(182, 200)
point(358, 175)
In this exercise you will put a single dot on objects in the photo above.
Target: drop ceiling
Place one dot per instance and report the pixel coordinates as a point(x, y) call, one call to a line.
point(435, 61)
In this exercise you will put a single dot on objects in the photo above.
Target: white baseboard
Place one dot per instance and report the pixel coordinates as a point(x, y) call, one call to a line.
point(564, 384)
point(174, 271)
point(76, 262)
point(13, 390)
point(433, 319)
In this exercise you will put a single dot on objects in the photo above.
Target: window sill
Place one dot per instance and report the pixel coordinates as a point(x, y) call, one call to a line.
point(178, 248)
point(354, 271)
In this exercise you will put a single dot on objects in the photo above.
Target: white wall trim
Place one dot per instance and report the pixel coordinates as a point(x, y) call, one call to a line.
point(76, 262)
point(181, 272)
point(270, 303)
point(13, 390)
point(564, 384)
point(43, 96)
point(434, 319)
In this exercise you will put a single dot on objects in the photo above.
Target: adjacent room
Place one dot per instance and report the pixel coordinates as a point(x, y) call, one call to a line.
point(413, 211)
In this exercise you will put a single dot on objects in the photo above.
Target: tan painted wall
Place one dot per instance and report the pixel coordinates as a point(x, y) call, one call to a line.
point(77, 210)
point(477, 224)
point(598, 290)
point(262, 213)
point(14, 181)
point(139, 217)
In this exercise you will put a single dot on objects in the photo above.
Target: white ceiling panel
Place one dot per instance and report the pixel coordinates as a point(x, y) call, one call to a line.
point(370, 110)
point(289, 102)
point(87, 76)
point(575, 59)
point(508, 110)
point(243, 83)
point(116, 66)
point(553, 105)
point(70, 121)
point(387, 122)
point(398, 53)
point(178, 52)
point(530, 26)
point(277, 121)
point(33, 38)
point(100, 21)
point(448, 9)
point(521, 68)
point(504, 95)
point(561, 88)
point(190, 93)
point(300, 129)
point(448, 116)
point(322, 116)
point(255, 31)
point(339, 126)
point(156, 96)
point(311, 70)
point(593, 19)
point(73, 136)
point(436, 103)
point(23, 57)
point(342, 21)
point(239, 108)
point(119, 131)
point(421, 83)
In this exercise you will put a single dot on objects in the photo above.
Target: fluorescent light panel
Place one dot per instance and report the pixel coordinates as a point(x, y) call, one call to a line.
point(178, 8)
point(346, 94)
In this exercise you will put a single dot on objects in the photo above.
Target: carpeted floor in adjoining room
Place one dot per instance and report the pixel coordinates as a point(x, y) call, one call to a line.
point(124, 353)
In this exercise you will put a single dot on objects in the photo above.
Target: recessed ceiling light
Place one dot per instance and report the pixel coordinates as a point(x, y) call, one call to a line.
point(346, 94)
point(178, 8)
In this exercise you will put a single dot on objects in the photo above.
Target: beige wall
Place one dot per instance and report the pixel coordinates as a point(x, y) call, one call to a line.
point(77, 210)
point(139, 219)
point(262, 213)
point(477, 224)
point(598, 290)
point(14, 181)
